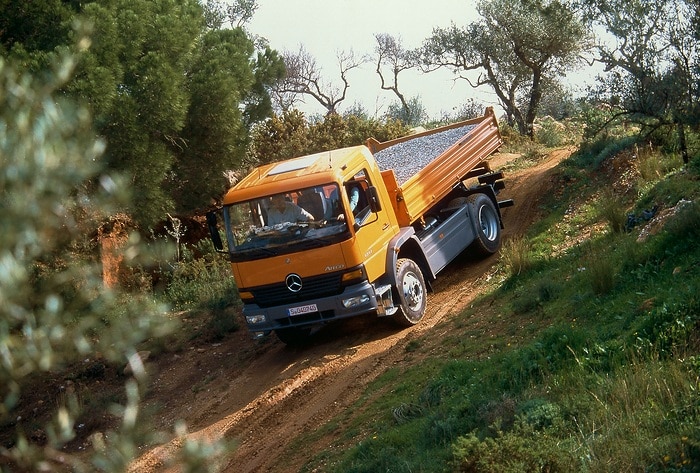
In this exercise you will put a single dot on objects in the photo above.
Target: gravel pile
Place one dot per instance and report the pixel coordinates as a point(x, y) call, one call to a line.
point(409, 157)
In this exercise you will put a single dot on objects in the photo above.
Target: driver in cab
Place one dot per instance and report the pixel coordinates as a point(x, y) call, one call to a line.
point(283, 211)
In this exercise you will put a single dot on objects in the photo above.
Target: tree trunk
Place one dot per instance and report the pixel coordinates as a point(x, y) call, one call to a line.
point(682, 142)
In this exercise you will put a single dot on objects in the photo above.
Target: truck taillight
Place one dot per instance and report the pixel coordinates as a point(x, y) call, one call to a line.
point(354, 276)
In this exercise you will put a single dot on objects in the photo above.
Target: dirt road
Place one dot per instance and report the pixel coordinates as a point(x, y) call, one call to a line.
point(263, 395)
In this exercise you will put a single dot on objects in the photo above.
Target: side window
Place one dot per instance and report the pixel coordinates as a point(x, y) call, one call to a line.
point(356, 189)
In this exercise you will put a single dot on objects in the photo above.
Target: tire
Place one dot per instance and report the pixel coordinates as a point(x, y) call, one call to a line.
point(412, 293)
point(294, 336)
point(487, 224)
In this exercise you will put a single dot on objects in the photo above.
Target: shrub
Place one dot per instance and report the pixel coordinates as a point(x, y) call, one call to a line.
point(600, 270)
point(551, 133)
point(521, 450)
point(55, 309)
point(201, 279)
point(591, 154)
point(516, 255)
point(610, 209)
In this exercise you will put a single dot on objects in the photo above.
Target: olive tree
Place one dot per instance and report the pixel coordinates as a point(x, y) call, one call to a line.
point(391, 60)
point(55, 311)
point(515, 48)
point(652, 58)
point(303, 77)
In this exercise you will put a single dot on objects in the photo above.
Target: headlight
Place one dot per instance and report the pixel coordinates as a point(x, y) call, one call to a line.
point(355, 301)
point(255, 319)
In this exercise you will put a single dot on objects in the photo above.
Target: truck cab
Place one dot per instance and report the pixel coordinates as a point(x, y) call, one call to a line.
point(318, 266)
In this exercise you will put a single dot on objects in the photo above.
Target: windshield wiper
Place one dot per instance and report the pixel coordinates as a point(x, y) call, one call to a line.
point(252, 253)
point(309, 243)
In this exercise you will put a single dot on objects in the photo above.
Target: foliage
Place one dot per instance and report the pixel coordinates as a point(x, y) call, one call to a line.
point(172, 97)
point(201, 278)
point(654, 63)
point(554, 134)
point(280, 137)
point(517, 47)
point(290, 135)
point(559, 102)
point(54, 309)
point(522, 449)
point(133, 77)
point(235, 12)
point(411, 113)
point(593, 153)
point(220, 79)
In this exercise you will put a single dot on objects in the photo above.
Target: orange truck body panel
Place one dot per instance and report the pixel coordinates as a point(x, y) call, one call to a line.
point(436, 179)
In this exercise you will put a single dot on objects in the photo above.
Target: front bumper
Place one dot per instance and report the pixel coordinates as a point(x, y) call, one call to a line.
point(354, 300)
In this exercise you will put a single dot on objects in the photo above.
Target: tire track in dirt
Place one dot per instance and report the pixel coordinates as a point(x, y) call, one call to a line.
point(284, 393)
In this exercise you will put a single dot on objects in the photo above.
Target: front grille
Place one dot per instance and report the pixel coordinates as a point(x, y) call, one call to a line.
point(312, 288)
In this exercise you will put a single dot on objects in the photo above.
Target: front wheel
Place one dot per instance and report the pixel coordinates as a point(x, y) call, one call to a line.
point(412, 293)
point(484, 216)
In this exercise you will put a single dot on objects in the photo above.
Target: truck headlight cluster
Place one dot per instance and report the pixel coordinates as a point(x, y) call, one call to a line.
point(355, 301)
point(255, 319)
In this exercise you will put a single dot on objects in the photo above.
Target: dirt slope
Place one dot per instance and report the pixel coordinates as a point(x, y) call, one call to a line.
point(262, 395)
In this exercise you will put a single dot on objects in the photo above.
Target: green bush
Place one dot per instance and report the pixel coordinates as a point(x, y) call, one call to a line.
point(524, 449)
point(202, 278)
point(611, 209)
point(591, 154)
point(669, 330)
point(551, 133)
point(516, 255)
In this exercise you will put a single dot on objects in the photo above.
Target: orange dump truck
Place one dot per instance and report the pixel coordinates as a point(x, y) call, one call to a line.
point(359, 230)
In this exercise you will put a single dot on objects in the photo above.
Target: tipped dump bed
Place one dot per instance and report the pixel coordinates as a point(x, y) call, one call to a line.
point(423, 168)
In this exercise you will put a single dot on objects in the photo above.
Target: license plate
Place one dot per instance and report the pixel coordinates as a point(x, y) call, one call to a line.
point(304, 309)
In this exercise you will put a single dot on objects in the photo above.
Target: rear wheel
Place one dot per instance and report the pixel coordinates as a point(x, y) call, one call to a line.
point(484, 216)
point(294, 336)
point(411, 292)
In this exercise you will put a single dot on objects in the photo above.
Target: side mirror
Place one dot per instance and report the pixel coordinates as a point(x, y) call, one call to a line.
point(214, 231)
point(373, 199)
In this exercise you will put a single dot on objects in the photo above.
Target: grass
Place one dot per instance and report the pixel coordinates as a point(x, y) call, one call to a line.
point(612, 210)
point(515, 255)
point(591, 361)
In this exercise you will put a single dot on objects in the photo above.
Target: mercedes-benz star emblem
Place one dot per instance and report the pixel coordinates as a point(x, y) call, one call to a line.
point(293, 282)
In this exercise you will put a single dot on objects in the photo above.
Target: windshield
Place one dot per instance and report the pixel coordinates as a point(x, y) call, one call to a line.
point(286, 222)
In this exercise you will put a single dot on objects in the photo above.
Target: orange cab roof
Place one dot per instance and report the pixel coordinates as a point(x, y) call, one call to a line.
point(310, 170)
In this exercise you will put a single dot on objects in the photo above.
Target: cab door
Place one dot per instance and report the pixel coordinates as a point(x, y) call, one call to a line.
point(372, 227)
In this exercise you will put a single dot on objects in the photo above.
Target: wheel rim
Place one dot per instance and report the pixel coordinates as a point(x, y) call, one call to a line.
point(488, 222)
point(412, 291)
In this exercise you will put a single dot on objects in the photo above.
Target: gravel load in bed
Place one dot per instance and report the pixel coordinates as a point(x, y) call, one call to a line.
point(411, 156)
